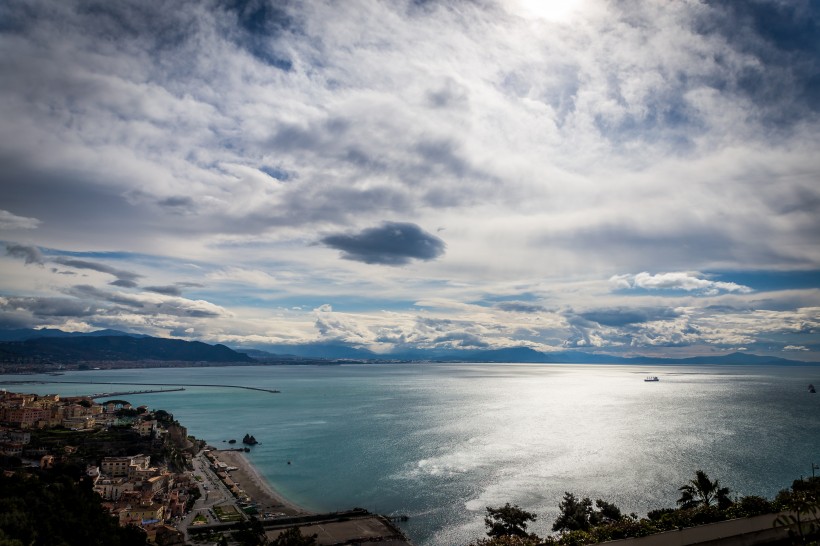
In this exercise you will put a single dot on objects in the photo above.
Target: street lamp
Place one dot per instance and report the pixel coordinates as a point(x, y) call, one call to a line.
point(813, 468)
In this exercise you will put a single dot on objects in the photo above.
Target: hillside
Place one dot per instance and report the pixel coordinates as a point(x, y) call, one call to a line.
point(116, 348)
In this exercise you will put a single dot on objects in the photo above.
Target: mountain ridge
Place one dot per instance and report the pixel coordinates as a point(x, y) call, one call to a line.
point(116, 345)
point(55, 348)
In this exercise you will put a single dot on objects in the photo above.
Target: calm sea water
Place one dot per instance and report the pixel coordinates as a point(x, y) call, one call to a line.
point(440, 442)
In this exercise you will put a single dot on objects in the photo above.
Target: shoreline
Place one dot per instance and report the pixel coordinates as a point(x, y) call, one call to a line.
point(268, 498)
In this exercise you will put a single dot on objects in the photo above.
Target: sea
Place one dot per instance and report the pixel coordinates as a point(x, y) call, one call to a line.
point(441, 442)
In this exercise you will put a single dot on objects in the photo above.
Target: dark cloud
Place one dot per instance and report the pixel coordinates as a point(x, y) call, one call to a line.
point(123, 283)
point(16, 319)
point(520, 307)
point(85, 291)
point(177, 202)
point(31, 254)
point(48, 306)
point(175, 289)
point(621, 316)
point(81, 204)
point(125, 277)
point(443, 154)
point(392, 243)
point(186, 309)
point(169, 290)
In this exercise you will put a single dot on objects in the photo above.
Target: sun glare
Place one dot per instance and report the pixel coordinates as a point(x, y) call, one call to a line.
point(551, 10)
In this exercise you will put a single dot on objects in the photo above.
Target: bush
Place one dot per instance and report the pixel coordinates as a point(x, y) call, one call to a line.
point(751, 505)
point(656, 515)
point(509, 540)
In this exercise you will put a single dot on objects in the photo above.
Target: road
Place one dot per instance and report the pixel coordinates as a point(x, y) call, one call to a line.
point(213, 493)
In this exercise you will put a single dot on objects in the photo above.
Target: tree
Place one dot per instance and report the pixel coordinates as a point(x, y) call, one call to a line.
point(293, 537)
point(575, 514)
point(164, 417)
point(703, 492)
point(250, 533)
point(606, 513)
point(34, 511)
point(509, 520)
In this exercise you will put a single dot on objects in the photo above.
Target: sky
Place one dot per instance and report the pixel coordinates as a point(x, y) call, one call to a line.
point(629, 178)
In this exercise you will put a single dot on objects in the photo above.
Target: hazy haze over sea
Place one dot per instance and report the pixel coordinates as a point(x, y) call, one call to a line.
point(439, 442)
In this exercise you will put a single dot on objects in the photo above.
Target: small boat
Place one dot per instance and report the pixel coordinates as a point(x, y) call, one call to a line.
point(651, 378)
point(811, 388)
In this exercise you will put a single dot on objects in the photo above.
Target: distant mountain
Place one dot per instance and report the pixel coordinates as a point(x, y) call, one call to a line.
point(736, 358)
point(22, 334)
point(326, 351)
point(273, 353)
point(116, 348)
point(57, 345)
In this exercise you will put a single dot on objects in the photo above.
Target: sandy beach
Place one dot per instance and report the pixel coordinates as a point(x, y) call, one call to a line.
point(256, 487)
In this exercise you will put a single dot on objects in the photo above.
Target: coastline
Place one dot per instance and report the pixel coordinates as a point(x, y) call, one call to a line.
point(259, 489)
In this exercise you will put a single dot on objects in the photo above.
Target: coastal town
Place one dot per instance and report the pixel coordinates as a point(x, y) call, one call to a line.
point(151, 476)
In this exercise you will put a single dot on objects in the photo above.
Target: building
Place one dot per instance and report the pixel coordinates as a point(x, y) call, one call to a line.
point(113, 488)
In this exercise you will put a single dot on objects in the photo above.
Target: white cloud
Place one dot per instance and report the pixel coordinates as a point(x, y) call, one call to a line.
point(687, 281)
point(12, 221)
point(247, 277)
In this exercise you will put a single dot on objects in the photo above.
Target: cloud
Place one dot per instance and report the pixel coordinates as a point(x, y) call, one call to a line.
point(48, 306)
point(689, 282)
point(781, 36)
point(124, 283)
point(392, 243)
point(169, 290)
point(462, 340)
point(795, 348)
point(151, 305)
point(125, 279)
point(177, 204)
point(84, 291)
point(621, 316)
point(31, 254)
point(520, 307)
point(12, 221)
point(175, 289)
point(222, 138)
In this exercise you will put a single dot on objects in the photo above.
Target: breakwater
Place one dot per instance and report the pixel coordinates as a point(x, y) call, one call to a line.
point(124, 393)
point(140, 384)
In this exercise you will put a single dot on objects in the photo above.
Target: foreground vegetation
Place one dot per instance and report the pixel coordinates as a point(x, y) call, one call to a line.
point(58, 507)
point(702, 501)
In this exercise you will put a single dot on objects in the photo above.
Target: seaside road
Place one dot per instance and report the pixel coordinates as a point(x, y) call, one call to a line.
point(213, 493)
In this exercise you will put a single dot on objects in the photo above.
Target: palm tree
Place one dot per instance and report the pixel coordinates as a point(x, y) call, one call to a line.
point(703, 492)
